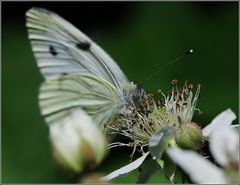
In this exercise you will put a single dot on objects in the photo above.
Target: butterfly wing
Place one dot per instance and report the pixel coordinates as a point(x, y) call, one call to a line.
point(60, 48)
point(59, 97)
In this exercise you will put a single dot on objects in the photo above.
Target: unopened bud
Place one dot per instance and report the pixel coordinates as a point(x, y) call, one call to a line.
point(189, 136)
point(77, 142)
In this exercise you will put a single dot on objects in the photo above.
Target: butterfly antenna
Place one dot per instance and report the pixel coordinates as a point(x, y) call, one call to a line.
point(164, 67)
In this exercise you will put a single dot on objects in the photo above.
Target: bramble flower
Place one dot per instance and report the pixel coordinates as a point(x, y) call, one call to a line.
point(175, 109)
point(224, 146)
point(74, 142)
point(156, 123)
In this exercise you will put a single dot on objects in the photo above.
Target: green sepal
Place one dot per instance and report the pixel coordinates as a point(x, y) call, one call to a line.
point(159, 142)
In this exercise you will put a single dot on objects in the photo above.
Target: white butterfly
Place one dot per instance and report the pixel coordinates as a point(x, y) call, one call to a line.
point(77, 72)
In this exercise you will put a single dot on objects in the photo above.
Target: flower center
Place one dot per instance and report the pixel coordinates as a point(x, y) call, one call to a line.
point(152, 114)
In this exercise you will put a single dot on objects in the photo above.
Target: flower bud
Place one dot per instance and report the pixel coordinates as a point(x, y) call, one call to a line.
point(77, 142)
point(189, 136)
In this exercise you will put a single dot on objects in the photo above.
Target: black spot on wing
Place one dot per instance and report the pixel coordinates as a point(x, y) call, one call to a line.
point(83, 45)
point(52, 50)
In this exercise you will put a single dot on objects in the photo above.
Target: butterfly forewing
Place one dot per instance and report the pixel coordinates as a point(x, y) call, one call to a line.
point(59, 97)
point(60, 48)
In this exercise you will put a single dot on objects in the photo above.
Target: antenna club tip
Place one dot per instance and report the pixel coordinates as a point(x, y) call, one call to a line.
point(189, 51)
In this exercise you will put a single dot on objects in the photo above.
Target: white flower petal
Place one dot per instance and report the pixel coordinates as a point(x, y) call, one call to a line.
point(199, 169)
point(235, 126)
point(125, 169)
point(224, 145)
point(224, 118)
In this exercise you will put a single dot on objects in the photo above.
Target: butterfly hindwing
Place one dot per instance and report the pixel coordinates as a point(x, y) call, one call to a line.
point(96, 96)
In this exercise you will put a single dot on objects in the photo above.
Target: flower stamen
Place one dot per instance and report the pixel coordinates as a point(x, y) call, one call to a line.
point(174, 109)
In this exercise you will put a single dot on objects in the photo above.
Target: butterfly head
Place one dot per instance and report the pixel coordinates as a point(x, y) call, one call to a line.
point(132, 94)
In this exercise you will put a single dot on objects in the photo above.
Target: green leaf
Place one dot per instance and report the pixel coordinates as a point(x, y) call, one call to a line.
point(159, 141)
point(150, 166)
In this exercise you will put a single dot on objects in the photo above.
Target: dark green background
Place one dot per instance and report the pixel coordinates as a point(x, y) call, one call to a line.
point(141, 37)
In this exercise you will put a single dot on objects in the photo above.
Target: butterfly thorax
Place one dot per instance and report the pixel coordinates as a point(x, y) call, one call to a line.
point(132, 93)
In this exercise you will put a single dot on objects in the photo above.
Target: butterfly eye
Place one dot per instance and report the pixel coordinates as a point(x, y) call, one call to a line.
point(52, 50)
point(84, 45)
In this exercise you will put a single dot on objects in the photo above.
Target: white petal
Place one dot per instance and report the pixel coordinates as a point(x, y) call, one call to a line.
point(126, 169)
point(224, 118)
point(224, 145)
point(199, 169)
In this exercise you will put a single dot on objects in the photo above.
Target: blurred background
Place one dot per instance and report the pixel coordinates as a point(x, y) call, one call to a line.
point(142, 37)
